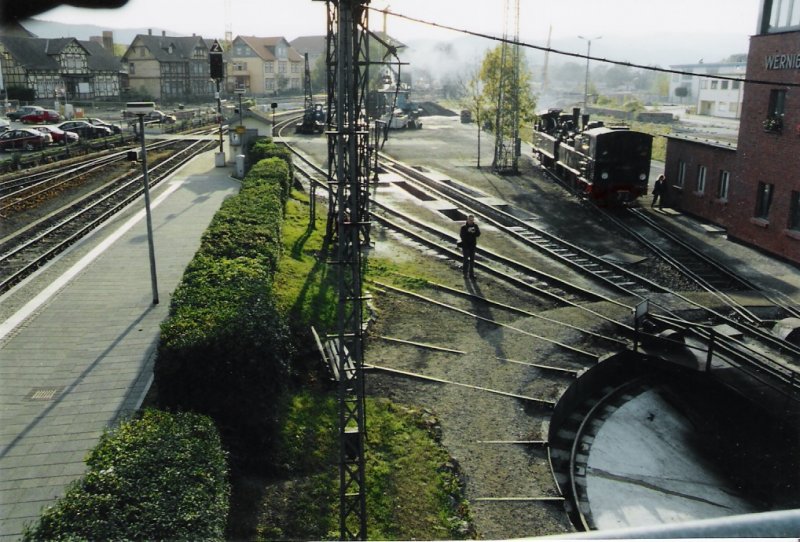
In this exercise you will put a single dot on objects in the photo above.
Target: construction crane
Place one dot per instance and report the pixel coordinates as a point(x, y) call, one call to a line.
point(313, 114)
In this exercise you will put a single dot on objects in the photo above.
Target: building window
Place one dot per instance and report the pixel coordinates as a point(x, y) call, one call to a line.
point(681, 173)
point(295, 67)
point(281, 67)
point(714, 84)
point(764, 200)
point(724, 85)
point(131, 68)
point(724, 184)
point(701, 179)
point(794, 211)
point(269, 84)
point(240, 66)
point(777, 102)
point(735, 85)
point(777, 106)
point(784, 14)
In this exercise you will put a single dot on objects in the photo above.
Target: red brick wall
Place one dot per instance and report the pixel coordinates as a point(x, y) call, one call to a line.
point(706, 205)
point(767, 157)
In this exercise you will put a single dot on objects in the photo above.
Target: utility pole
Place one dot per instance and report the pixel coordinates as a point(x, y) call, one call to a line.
point(586, 83)
point(348, 227)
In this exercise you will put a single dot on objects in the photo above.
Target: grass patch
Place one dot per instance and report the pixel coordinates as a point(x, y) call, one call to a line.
point(405, 275)
point(414, 490)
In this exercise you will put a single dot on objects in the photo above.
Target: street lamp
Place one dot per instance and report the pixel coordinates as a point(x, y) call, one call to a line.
point(140, 109)
point(588, 54)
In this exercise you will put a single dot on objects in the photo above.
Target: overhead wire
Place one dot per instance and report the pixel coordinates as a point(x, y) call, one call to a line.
point(583, 56)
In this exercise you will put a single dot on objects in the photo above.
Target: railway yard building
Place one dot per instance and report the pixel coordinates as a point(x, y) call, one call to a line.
point(753, 190)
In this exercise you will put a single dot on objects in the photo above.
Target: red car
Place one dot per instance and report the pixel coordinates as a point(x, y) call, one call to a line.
point(38, 117)
point(26, 139)
point(60, 137)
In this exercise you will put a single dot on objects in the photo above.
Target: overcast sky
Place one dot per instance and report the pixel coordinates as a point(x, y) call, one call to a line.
point(292, 18)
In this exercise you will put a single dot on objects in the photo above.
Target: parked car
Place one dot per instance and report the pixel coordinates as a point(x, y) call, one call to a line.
point(24, 110)
point(38, 117)
point(26, 139)
point(60, 137)
point(85, 129)
point(160, 116)
point(4, 125)
point(99, 122)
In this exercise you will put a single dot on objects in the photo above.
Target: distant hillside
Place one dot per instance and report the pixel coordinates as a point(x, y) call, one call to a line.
point(50, 29)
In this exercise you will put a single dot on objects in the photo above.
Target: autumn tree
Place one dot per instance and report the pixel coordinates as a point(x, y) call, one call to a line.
point(492, 80)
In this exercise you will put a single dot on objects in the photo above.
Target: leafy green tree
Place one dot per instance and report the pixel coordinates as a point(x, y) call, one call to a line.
point(491, 77)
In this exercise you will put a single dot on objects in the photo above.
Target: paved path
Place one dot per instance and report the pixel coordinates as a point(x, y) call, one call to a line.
point(77, 354)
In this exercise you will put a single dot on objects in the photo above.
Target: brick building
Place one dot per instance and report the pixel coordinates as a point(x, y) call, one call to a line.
point(700, 174)
point(762, 203)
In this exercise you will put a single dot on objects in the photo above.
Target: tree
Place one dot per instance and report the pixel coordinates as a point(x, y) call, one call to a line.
point(491, 78)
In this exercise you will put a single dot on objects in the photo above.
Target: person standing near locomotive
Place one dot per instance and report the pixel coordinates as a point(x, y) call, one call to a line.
point(469, 241)
point(658, 192)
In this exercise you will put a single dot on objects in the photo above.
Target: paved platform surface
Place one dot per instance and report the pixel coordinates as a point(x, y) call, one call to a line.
point(77, 340)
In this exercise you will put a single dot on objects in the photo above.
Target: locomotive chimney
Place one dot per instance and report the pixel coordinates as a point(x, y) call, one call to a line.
point(585, 120)
point(576, 116)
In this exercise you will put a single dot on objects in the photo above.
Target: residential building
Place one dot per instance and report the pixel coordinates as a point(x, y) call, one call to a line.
point(753, 192)
point(313, 45)
point(716, 97)
point(46, 68)
point(264, 66)
point(169, 68)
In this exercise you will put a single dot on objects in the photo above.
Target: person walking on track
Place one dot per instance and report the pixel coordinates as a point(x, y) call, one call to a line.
point(469, 240)
point(658, 192)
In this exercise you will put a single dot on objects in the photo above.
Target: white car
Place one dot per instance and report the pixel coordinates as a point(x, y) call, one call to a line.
point(4, 125)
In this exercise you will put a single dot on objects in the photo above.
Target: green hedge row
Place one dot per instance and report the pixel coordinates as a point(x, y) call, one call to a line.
point(160, 476)
point(225, 349)
point(262, 149)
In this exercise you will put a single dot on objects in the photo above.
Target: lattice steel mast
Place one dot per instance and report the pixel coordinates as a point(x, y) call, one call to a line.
point(506, 147)
point(347, 229)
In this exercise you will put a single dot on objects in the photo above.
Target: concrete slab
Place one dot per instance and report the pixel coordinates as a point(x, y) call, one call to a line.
point(643, 470)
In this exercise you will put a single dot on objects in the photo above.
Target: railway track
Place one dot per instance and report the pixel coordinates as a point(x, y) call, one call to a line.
point(28, 248)
point(752, 357)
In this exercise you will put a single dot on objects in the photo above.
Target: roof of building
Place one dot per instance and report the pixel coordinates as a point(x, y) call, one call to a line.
point(265, 47)
point(169, 48)
point(38, 53)
point(12, 27)
point(313, 45)
point(726, 145)
point(100, 58)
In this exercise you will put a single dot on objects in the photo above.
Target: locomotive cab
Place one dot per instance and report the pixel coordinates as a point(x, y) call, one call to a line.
point(609, 165)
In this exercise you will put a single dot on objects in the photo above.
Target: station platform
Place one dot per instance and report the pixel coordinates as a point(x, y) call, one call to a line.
point(78, 338)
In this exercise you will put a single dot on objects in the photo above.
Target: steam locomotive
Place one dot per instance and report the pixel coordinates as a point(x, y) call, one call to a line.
point(608, 164)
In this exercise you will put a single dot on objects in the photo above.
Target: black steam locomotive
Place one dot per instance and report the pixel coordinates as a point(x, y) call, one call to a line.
point(609, 165)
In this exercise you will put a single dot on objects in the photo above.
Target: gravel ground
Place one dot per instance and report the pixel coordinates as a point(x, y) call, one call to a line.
point(503, 480)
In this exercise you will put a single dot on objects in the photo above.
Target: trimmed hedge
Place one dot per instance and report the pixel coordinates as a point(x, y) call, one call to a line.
point(225, 352)
point(225, 349)
point(161, 476)
point(262, 149)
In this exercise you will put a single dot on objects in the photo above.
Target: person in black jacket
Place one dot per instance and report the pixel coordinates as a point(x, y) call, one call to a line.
point(469, 240)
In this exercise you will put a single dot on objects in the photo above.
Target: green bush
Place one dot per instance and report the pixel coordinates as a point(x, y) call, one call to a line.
point(225, 352)
point(247, 225)
point(270, 170)
point(158, 477)
point(266, 148)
